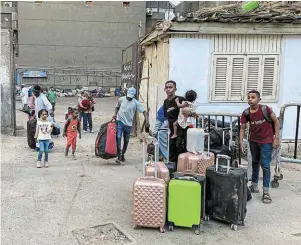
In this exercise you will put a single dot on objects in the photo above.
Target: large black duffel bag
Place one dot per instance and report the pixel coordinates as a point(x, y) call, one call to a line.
point(105, 143)
point(31, 130)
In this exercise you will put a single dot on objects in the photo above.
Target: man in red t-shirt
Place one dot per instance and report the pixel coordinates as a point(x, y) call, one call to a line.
point(264, 136)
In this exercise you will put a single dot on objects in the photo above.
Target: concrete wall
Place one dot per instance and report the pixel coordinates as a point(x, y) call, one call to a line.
point(68, 34)
point(190, 64)
point(6, 80)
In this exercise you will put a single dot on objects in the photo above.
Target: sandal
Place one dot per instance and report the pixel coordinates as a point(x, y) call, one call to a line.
point(266, 198)
point(253, 190)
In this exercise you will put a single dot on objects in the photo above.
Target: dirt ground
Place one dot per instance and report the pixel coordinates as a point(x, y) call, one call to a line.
point(49, 206)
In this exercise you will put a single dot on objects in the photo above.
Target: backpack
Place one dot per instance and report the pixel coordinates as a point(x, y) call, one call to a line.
point(265, 113)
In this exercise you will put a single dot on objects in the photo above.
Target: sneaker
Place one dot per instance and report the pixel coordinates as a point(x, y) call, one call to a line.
point(122, 159)
point(38, 164)
point(46, 164)
point(85, 131)
point(66, 152)
point(91, 131)
point(73, 157)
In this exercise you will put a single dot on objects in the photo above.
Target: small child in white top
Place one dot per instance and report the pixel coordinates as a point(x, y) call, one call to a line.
point(43, 136)
point(183, 121)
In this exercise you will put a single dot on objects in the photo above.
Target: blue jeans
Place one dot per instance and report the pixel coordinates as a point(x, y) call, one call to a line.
point(126, 132)
point(261, 156)
point(87, 119)
point(44, 145)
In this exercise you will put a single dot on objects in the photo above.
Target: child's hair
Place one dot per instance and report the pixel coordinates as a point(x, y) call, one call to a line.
point(254, 92)
point(70, 109)
point(41, 111)
point(74, 109)
point(191, 95)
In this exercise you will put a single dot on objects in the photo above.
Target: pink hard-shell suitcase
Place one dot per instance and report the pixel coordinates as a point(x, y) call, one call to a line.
point(149, 199)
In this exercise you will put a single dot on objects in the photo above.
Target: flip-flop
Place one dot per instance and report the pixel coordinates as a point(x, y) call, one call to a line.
point(266, 198)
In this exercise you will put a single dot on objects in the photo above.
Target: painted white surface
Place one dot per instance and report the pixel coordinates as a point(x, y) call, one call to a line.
point(190, 64)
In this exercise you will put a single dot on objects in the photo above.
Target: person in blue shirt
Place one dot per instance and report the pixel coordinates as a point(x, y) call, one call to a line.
point(124, 115)
point(161, 123)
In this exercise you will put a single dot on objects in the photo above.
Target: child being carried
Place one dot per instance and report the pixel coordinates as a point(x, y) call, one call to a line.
point(183, 121)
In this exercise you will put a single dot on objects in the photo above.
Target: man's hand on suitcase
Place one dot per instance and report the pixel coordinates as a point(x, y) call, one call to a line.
point(242, 148)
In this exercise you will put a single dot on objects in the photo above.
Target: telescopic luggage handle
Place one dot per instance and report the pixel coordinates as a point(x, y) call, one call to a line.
point(145, 141)
point(220, 156)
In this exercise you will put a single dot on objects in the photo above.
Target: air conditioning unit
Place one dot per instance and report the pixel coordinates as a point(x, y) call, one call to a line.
point(8, 4)
point(149, 12)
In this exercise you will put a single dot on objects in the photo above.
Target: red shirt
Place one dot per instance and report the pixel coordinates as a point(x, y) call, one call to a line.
point(261, 131)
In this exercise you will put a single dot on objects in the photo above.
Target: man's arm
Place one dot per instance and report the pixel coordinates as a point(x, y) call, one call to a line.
point(241, 136)
point(47, 104)
point(117, 108)
point(275, 121)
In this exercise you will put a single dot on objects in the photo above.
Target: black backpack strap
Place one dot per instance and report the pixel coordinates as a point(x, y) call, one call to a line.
point(247, 114)
point(265, 113)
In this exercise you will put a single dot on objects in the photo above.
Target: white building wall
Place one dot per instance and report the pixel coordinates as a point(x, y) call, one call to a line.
point(190, 64)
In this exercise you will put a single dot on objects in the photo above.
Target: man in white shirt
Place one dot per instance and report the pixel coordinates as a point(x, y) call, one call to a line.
point(24, 95)
point(41, 101)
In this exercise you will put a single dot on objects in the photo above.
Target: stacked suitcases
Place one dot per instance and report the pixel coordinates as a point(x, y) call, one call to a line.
point(198, 190)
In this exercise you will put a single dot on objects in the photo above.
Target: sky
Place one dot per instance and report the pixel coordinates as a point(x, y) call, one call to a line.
point(175, 2)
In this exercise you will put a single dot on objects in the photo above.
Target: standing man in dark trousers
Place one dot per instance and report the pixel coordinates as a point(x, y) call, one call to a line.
point(171, 111)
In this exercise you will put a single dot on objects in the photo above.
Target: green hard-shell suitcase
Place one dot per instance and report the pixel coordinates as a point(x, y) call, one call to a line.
point(185, 201)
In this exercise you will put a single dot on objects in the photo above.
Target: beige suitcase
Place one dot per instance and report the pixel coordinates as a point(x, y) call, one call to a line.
point(149, 200)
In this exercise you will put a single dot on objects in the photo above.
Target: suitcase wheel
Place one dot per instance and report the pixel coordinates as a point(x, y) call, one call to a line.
point(197, 229)
point(234, 227)
point(206, 218)
point(170, 228)
point(162, 229)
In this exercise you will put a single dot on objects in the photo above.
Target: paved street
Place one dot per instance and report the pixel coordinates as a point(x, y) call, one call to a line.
point(47, 206)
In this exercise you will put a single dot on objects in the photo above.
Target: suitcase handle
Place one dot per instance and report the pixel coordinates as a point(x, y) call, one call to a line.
point(145, 141)
point(220, 156)
point(187, 178)
point(188, 173)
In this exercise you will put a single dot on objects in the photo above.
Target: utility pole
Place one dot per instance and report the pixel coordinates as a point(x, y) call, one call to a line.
point(9, 50)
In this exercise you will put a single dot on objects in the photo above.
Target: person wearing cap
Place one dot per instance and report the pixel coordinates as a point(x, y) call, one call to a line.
point(41, 101)
point(124, 115)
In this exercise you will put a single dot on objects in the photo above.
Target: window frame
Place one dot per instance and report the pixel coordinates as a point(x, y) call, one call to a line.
point(230, 56)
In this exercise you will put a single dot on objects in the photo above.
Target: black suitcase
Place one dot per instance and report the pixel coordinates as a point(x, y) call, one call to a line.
point(31, 130)
point(226, 193)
